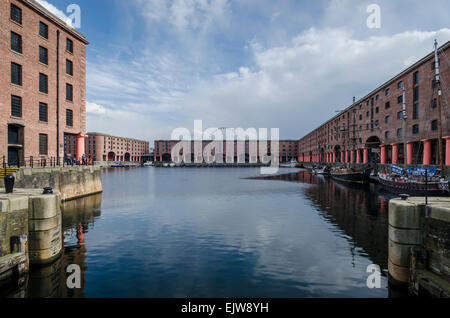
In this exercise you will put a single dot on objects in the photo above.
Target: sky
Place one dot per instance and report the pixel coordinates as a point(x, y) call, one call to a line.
point(156, 65)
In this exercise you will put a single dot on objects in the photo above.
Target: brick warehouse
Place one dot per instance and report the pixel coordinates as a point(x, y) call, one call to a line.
point(103, 147)
point(39, 53)
point(370, 130)
point(288, 150)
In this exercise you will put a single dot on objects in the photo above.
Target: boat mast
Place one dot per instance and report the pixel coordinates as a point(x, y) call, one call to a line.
point(405, 116)
point(438, 99)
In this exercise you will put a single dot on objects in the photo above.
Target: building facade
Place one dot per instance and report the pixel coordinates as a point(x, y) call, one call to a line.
point(242, 151)
point(103, 147)
point(372, 129)
point(42, 92)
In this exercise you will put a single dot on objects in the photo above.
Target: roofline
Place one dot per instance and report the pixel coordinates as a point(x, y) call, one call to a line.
point(107, 135)
point(50, 16)
point(387, 83)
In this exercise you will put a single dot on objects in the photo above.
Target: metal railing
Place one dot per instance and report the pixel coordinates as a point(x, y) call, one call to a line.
point(43, 162)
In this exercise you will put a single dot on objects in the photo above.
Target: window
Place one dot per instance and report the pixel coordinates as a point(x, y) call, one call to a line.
point(377, 122)
point(388, 92)
point(416, 78)
point(43, 112)
point(69, 45)
point(400, 99)
point(368, 114)
point(433, 84)
point(69, 92)
point(43, 30)
point(69, 117)
point(377, 97)
point(43, 83)
point(434, 125)
point(416, 111)
point(400, 84)
point(16, 74)
point(387, 105)
point(43, 140)
point(43, 55)
point(377, 110)
point(16, 14)
point(16, 42)
point(16, 106)
point(69, 67)
point(416, 93)
point(387, 120)
point(434, 103)
point(400, 132)
point(400, 115)
point(415, 129)
point(387, 135)
point(360, 117)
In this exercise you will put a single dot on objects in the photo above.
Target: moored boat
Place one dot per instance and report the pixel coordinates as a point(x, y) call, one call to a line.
point(351, 175)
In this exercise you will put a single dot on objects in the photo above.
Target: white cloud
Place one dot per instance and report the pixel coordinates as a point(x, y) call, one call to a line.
point(95, 109)
point(50, 7)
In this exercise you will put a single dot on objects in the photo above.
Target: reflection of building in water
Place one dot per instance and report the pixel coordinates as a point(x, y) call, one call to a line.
point(50, 281)
point(357, 211)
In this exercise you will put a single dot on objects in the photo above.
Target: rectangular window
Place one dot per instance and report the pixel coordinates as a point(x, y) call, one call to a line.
point(43, 111)
point(69, 45)
point(16, 106)
point(387, 105)
point(69, 117)
point(69, 67)
point(16, 42)
point(416, 94)
point(43, 83)
point(434, 125)
point(416, 78)
point(16, 74)
point(434, 103)
point(388, 92)
point(415, 129)
point(43, 55)
point(400, 99)
point(16, 14)
point(400, 85)
point(400, 132)
point(43, 141)
point(43, 30)
point(416, 111)
point(69, 92)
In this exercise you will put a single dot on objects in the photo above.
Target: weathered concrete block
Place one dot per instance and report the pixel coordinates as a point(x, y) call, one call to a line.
point(44, 206)
point(42, 240)
point(398, 275)
point(405, 236)
point(44, 224)
point(406, 214)
point(399, 253)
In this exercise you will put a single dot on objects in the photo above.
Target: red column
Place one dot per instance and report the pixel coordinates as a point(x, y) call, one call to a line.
point(383, 154)
point(409, 153)
point(342, 156)
point(394, 154)
point(347, 156)
point(426, 151)
point(366, 155)
point(358, 156)
point(447, 150)
point(334, 156)
point(352, 156)
point(80, 146)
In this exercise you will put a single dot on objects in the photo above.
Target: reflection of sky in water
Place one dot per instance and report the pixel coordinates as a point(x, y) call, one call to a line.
point(211, 233)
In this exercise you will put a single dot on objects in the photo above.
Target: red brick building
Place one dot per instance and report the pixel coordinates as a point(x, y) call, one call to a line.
point(42, 91)
point(288, 150)
point(103, 147)
point(371, 130)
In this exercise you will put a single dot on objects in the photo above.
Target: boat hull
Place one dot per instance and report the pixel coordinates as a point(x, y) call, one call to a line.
point(357, 177)
point(413, 188)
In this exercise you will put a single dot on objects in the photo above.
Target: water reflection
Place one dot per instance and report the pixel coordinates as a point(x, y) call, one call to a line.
point(215, 233)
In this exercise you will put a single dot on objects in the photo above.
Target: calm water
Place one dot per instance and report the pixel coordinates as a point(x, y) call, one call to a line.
point(214, 233)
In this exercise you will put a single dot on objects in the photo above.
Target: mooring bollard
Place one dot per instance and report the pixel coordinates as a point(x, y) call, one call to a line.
point(9, 183)
point(405, 232)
